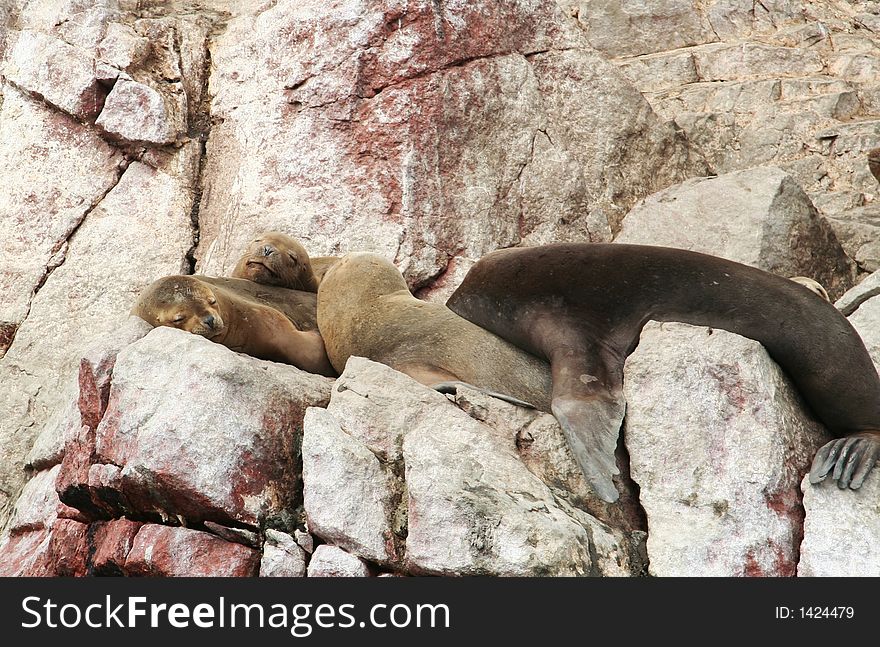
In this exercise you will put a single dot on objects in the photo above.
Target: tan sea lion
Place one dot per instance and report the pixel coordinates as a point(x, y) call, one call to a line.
point(277, 259)
point(366, 309)
point(582, 307)
point(268, 323)
point(812, 285)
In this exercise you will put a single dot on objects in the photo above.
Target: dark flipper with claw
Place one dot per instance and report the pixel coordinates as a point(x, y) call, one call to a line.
point(848, 460)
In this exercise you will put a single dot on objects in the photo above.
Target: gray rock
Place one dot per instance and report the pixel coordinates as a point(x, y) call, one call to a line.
point(59, 73)
point(204, 433)
point(869, 287)
point(632, 27)
point(332, 561)
point(282, 556)
point(408, 463)
point(350, 498)
point(548, 140)
point(137, 113)
point(866, 320)
point(759, 217)
point(842, 530)
point(719, 441)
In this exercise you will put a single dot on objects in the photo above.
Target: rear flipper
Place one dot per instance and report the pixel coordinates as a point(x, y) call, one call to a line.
point(591, 427)
point(588, 404)
point(451, 387)
point(849, 460)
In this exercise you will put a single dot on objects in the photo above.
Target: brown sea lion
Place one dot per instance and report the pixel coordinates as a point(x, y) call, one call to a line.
point(582, 307)
point(268, 323)
point(277, 259)
point(366, 309)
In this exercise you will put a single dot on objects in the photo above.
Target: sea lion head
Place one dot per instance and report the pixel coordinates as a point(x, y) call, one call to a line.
point(812, 286)
point(182, 302)
point(276, 259)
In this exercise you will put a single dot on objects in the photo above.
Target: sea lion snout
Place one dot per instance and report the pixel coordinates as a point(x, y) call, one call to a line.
point(209, 321)
point(268, 250)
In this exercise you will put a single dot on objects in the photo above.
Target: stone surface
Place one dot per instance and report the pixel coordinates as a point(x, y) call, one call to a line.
point(719, 441)
point(426, 133)
point(137, 113)
point(282, 556)
point(76, 169)
point(113, 541)
point(140, 230)
point(205, 433)
point(181, 552)
point(842, 530)
point(759, 217)
point(397, 474)
point(869, 287)
point(59, 73)
point(866, 319)
point(332, 561)
point(331, 457)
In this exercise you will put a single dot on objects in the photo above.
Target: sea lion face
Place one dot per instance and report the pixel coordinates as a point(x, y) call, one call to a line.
point(275, 259)
point(182, 302)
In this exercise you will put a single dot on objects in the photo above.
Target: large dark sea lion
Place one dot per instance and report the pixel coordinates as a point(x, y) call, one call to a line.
point(268, 323)
point(582, 306)
point(366, 309)
point(277, 259)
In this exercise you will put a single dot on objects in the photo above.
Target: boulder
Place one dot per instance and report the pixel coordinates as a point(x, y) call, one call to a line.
point(430, 134)
point(397, 474)
point(282, 556)
point(165, 551)
point(52, 70)
point(719, 441)
point(196, 431)
point(759, 217)
point(332, 561)
point(841, 530)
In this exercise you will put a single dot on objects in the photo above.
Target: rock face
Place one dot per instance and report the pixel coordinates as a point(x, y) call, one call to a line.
point(429, 133)
point(193, 430)
point(791, 84)
point(760, 217)
point(382, 482)
point(164, 135)
point(723, 500)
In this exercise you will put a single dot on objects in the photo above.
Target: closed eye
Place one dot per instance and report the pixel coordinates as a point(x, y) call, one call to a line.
point(178, 318)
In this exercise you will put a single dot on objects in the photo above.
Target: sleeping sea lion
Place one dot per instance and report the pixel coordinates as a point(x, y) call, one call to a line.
point(582, 307)
point(267, 323)
point(277, 259)
point(366, 309)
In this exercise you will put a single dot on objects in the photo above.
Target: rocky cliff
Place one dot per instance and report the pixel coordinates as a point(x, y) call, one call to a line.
point(139, 139)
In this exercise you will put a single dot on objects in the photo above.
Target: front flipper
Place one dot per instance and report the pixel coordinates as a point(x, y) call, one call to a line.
point(588, 403)
point(849, 460)
point(451, 387)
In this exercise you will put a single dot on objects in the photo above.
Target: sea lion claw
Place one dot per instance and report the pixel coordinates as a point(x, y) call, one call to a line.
point(848, 460)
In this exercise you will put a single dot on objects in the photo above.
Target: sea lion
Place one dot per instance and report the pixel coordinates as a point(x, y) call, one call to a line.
point(366, 309)
point(241, 316)
point(812, 285)
point(277, 259)
point(582, 307)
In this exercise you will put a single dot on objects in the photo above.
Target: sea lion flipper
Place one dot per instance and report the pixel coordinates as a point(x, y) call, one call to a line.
point(451, 387)
point(591, 427)
point(848, 460)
